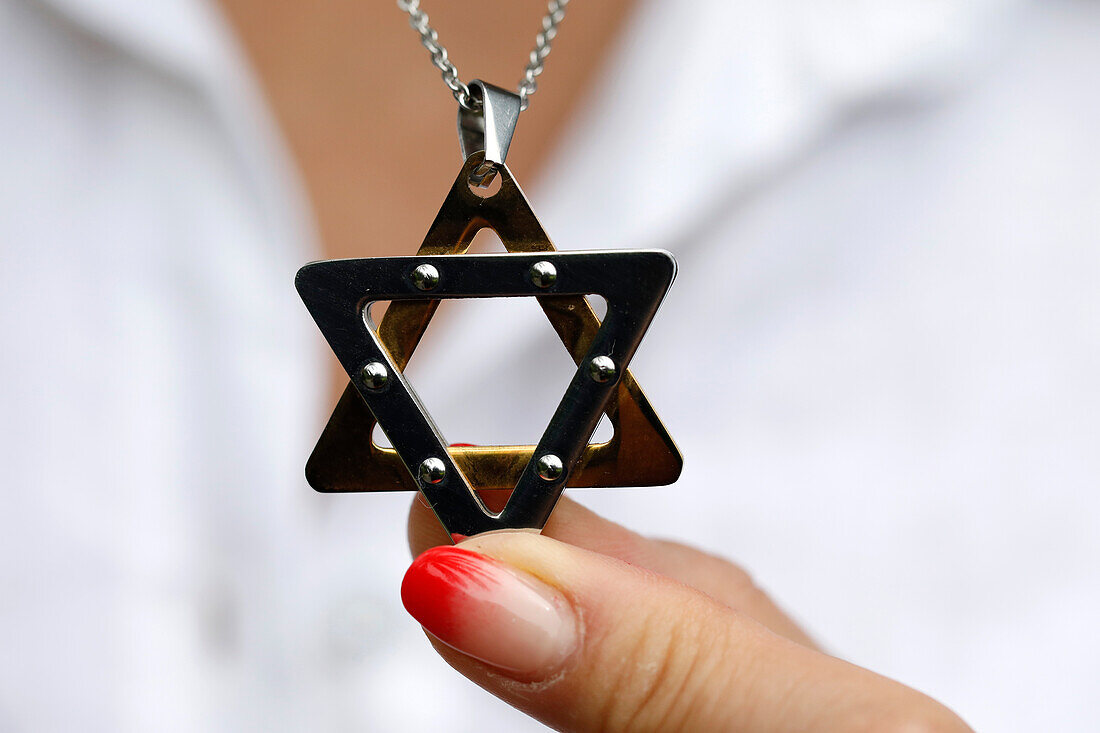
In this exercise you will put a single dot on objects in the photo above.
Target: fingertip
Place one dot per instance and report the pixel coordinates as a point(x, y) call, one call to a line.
point(490, 611)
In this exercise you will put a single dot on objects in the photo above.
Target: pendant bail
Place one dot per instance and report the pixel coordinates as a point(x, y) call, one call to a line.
point(489, 128)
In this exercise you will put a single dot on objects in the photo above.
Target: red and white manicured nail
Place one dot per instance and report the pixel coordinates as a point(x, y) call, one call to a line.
point(489, 611)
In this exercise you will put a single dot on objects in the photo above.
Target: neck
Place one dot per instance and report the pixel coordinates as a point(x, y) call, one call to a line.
point(370, 123)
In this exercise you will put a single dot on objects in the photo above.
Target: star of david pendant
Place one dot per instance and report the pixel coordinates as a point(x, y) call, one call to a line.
point(338, 294)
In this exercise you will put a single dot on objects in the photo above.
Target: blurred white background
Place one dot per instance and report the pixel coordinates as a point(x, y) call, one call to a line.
point(880, 359)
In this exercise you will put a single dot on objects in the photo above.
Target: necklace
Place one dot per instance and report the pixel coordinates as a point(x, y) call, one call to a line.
point(418, 19)
point(338, 294)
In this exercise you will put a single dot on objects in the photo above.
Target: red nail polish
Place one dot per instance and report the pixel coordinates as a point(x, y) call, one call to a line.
point(488, 611)
point(436, 581)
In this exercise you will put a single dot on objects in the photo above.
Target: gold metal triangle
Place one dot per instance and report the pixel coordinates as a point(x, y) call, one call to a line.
point(640, 453)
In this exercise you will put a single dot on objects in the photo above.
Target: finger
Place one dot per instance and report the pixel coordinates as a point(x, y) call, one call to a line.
point(586, 642)
point(574, 524)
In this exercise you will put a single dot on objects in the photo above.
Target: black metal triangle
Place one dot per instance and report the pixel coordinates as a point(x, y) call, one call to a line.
point(640, 453)
point(338, 294)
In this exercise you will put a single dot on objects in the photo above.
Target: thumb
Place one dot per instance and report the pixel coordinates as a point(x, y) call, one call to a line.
point(585, 642)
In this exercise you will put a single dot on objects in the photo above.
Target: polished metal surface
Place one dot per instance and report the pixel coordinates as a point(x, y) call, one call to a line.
point(425, 277)
point(375, 375)
point(555, 14)
point(640, 451)
point(488, 129)
point(601, 369)
point(550, 467)
point(431, 471)
point(543, 274)
point(429, 38)
point(633, 283)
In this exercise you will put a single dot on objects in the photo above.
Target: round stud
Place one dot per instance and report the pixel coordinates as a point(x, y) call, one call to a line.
point(543, 274)
point(601, 369)
point(432, 471)
point(375, 375)
point(549, 467)
point(425, 277)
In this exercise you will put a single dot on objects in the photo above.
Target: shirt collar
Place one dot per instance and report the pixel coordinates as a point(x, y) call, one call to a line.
point(186, 38)
point(687, 115)
point(190, 42)
point(691, 115)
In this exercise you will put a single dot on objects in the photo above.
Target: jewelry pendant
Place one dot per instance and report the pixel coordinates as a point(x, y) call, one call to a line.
point(338, 294)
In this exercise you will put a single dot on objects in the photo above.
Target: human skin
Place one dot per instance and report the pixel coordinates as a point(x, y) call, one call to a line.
point(591, 627)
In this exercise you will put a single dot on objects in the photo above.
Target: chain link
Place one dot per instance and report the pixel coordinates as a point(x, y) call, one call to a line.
point(418, 20)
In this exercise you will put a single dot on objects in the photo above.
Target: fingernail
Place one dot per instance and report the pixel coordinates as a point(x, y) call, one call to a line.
point(487, 610)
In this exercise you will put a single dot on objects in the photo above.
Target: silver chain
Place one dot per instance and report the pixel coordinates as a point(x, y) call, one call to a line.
point(418, 19)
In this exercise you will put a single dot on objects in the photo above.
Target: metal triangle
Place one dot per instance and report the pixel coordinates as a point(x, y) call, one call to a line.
point(338, 294)
point(640, 452)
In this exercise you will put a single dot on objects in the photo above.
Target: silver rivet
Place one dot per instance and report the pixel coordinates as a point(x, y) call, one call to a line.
point(375, 375)
point(543, 274)
point(432, 471)
point(549, 467)
point(601, 369)
point(425, 277)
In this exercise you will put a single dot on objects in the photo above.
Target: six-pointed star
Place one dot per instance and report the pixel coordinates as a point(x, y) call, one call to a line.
point(338, 293)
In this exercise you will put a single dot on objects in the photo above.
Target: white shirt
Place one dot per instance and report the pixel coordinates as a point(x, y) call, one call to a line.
point(879, 359)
